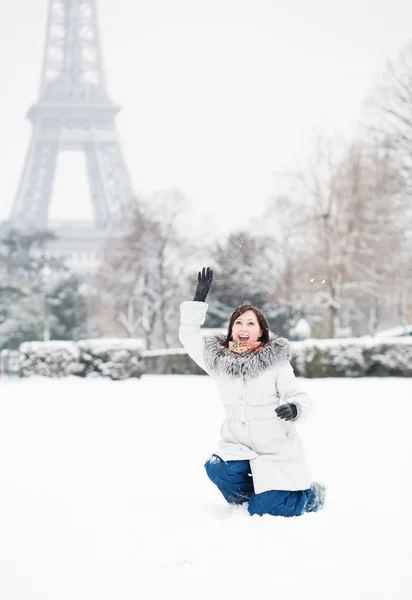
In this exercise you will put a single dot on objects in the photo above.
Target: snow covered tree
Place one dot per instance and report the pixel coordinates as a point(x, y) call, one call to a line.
point(246, 272)
point(23, 254)
point(28, 304)
point(68, 310)
point(238, 265)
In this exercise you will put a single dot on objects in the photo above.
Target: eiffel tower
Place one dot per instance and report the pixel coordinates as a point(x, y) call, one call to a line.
point(74, 112)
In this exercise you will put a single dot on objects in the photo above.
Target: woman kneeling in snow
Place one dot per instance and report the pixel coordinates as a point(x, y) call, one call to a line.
point(260, 457)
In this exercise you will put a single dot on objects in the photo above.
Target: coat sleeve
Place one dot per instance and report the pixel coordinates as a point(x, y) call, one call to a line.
point(192, 317)
point(290, 391)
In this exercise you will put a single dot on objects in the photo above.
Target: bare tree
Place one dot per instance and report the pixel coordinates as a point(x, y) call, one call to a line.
point(351, 227)
point(141, 277)
point(387, 118)
point(290, 245)
point(387, 123)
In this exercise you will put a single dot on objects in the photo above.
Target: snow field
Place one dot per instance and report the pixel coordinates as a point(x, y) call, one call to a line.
point(103, 495)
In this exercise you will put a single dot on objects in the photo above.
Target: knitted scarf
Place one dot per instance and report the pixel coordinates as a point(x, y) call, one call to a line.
point(243, 347)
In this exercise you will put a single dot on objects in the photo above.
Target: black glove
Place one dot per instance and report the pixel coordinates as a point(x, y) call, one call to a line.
point(288, 412)
point(204, 281)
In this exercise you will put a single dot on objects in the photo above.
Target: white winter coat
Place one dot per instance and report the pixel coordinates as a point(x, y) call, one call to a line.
point(251, 386)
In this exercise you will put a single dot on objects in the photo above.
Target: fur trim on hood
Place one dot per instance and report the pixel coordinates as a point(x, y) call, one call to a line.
point(221, 361)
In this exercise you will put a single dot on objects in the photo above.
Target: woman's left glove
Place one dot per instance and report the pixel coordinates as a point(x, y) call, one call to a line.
point(287, 412)
point(204, 281)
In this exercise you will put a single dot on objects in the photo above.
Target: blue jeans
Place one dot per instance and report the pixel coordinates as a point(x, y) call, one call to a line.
point(234, 480)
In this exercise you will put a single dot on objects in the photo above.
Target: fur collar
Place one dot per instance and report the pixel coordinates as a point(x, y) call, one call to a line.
point(220, 361)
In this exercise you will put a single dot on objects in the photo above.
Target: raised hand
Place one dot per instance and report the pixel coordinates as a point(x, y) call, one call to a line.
point(204, 281)
point(287, 412)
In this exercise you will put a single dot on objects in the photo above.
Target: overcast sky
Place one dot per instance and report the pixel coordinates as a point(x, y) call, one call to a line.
point(217, 95)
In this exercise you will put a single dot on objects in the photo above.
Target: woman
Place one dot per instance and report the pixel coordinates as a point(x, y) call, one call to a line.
point(260, 456)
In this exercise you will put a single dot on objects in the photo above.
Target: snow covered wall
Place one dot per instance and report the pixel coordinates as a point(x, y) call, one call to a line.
point(124, 358)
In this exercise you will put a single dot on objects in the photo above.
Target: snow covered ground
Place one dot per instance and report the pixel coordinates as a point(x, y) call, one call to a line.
point(103, 496)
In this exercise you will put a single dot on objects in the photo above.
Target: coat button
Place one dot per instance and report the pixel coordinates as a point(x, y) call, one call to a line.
point(240, 397)
point(243, 424)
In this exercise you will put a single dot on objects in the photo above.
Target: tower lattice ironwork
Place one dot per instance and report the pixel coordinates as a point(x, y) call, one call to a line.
point(74, 112)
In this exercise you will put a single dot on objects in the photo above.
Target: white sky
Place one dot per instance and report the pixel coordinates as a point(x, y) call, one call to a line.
point(217, 96)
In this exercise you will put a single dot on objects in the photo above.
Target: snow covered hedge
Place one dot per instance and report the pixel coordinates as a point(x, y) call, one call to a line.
point(120, 359)
point(353, 357)
point(117, 359)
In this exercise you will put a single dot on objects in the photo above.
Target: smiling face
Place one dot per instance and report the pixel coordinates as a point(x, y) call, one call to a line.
point(246, 328)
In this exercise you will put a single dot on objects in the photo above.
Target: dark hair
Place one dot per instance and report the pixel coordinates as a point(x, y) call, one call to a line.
point(263, 324)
